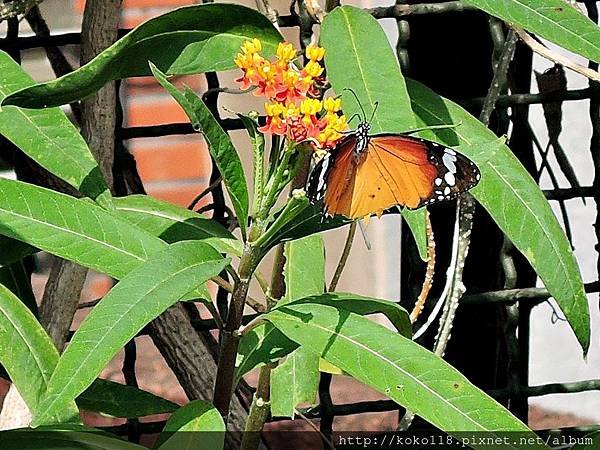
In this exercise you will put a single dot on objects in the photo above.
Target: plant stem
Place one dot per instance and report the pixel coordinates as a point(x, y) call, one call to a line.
point(230, 335)
point(274, 186)
point(259, 177)
point(259, 410)
point(261, 405)
point(344, 258)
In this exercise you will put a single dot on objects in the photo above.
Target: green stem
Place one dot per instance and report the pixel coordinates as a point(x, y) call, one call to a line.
point(276, 183)
point(229, 337)
point(259, 410)
point(259, 181)
point(261, 404)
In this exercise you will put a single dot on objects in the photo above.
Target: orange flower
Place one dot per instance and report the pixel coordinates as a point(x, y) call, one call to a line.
point(278, 79)
point(332, 105)
point(275, 124)
point(291, 88)
point(290, 111)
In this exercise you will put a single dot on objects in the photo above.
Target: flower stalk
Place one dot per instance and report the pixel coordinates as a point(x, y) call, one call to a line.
point(296, 115)
point(230, 337)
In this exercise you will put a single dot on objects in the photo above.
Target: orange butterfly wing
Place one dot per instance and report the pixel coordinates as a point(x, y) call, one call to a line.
point(394, 170)
point(366, 175)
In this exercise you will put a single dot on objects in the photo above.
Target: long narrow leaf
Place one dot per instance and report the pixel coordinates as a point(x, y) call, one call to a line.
point(63, 438)
point(219, 145)
point(555, 20)
point(296, 379)
point(193, 39)
point(28, 354)
point(119, 400)
point(29, 357)
point(72, 229)
point(173, 223)
point(397, 367)
point(514, 201)
point(264, 343)
point(196, 426)
point(353, 41)
point(136, 300)
point(48, 137)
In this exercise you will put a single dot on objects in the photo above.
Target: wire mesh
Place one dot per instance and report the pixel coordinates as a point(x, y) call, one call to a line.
point(519, 301)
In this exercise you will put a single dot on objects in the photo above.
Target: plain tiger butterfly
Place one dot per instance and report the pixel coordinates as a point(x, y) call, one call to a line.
point(366, 174)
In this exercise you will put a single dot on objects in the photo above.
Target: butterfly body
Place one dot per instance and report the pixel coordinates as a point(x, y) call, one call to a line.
point(367, 174)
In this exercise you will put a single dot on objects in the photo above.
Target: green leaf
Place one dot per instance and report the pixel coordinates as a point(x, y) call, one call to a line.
point(397, 367)
point(28, 439)
point(196, 426)
point(360, 58)
point(63, 438)
point(363, 306)
point(304, 269)
point(354, 40)
point(219, 145)
point(173, 224)
point(28, 354)
point(72, 229)
point(48, 137)
point(76, 230)
point(416, 219)
point(261, 345)
point(119, 400)
point(296, 379)
point(555, 20)
point(265, 343)
point(194, 39)
point(136, 300)
point(514, 201)
point(298, 218)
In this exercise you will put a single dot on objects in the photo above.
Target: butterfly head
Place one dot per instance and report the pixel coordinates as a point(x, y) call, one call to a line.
point(362, 138)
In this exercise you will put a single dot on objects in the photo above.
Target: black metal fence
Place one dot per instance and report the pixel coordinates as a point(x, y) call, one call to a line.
point(524, 298)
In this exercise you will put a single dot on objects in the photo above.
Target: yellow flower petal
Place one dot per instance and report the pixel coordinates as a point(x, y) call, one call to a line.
point(315, 53)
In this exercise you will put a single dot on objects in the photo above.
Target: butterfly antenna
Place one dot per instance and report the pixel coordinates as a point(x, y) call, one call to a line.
point(364, 114)
point(375, 106)
point(354, 116)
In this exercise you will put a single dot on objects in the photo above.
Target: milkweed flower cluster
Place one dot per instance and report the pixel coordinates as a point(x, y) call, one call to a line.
point(292, 108)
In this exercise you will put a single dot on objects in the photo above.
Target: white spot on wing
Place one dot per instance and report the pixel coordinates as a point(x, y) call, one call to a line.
point(449, 162)
point(450, 178)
